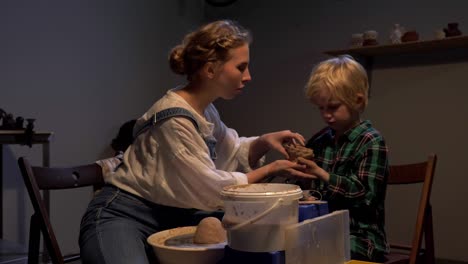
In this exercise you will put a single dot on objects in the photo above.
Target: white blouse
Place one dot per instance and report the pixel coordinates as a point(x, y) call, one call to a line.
point(170, 164)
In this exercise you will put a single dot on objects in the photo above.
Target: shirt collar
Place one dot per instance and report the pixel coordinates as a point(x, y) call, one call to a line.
point(206, 127)
point(352, 133)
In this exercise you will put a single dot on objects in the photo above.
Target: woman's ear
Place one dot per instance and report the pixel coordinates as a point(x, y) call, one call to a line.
point(210, 69)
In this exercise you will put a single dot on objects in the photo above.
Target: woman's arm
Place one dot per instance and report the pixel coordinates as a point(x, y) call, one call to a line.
point(192, 178)
point(284, 168)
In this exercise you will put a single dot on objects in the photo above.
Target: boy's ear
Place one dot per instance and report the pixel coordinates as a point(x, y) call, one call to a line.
point(360, 101)
point(359, 98)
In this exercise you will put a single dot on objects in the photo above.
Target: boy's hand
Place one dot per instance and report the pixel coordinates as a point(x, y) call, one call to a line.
point(314, 169)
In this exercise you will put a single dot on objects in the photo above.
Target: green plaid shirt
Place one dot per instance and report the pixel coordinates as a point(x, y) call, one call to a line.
point(358, 169)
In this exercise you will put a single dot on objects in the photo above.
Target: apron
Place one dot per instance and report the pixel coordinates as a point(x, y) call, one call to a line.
point(179, 112)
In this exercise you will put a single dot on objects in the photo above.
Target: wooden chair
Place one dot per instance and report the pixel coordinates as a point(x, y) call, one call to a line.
point(43, 178)
point(411, 174)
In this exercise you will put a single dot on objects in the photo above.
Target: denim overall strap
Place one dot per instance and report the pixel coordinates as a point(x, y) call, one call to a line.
point(179, 112)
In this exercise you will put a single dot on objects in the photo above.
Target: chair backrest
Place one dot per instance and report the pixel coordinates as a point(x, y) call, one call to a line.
point(422, 172)
point(44, 178)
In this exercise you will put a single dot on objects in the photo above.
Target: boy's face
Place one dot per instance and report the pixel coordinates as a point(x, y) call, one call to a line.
point(335, 113)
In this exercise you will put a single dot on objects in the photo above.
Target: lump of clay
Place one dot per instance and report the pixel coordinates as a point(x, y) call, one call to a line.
point(295, 151)
point(210, 231)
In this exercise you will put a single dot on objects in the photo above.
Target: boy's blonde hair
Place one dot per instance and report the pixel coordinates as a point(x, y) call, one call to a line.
point(343, 78)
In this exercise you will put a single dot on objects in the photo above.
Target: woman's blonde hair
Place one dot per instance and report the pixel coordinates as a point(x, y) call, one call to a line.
point(210, 43)
point(343, 78)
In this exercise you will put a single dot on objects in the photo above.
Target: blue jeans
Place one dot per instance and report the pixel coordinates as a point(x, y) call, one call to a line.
point(116, 225)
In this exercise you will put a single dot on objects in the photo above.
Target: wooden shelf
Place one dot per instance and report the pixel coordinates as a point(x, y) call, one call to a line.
point(423, 46)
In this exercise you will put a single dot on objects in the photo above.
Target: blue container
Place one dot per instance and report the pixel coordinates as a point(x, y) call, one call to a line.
point(308, 211)
point(323, 208)
point(312, 210)
point(232, 256)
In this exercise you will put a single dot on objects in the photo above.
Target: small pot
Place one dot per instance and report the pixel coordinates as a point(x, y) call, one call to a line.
point(410, 36)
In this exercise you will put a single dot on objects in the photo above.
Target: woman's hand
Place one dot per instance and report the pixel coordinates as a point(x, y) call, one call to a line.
point(289, 169)
point(274, 141)
point(283, 168)
point(312, 168)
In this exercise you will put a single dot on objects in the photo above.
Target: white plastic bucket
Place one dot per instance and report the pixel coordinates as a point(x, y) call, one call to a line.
point(256, 215)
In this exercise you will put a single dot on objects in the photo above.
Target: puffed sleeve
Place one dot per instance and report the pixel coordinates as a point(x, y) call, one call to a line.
point(232, 150)
point(193, 180)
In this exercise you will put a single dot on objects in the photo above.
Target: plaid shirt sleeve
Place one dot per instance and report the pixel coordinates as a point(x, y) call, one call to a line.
point(367, 180)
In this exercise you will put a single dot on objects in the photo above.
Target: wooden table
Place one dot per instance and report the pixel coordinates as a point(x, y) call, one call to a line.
point(17, 137)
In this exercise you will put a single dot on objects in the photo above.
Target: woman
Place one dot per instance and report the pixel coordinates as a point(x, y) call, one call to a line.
point(183, 154)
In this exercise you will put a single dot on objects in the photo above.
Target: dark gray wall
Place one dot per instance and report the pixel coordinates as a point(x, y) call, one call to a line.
point(82, 68)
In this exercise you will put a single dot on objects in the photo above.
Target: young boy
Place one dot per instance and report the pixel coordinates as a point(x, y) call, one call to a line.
point(350, 160)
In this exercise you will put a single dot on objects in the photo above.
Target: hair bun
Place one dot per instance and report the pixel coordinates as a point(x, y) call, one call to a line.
point(176, 60)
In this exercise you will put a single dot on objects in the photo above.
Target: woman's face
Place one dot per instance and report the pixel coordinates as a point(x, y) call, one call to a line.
point(231, 77)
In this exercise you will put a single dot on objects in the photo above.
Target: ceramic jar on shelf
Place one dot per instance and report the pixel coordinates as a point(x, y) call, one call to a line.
point(370, 38)
point(452, 30)
point(396, 34)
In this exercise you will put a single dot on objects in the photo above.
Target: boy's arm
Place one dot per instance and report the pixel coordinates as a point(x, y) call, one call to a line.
point(368, 181)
